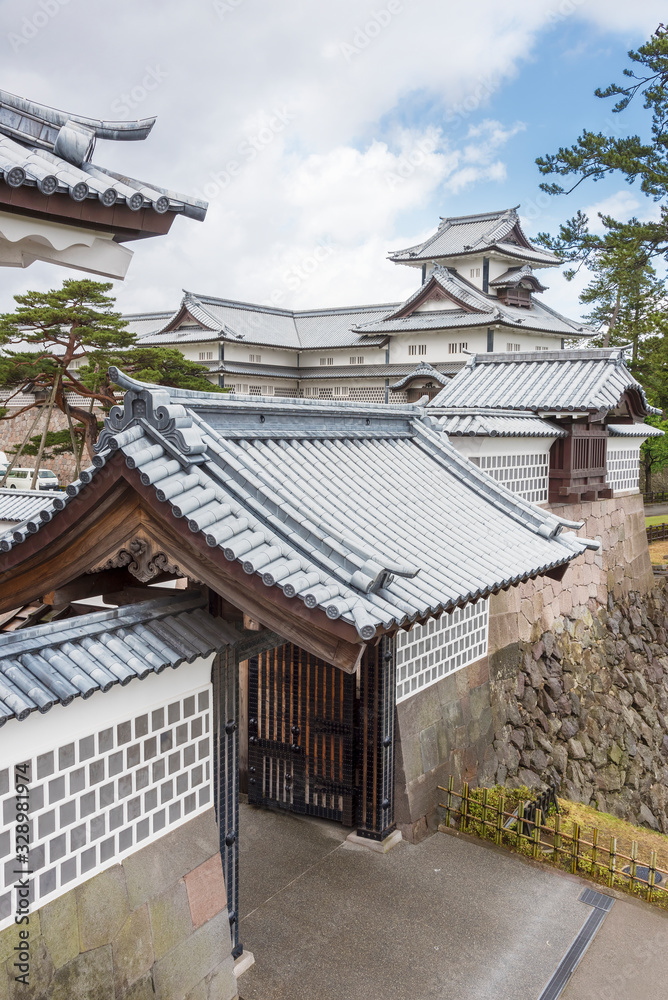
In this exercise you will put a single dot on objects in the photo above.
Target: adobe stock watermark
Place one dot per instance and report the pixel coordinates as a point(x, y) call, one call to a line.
point(299, 273)
point(411, 161)
point(224, 7)
point(128, 102)
point(365, 33)
point(22, 871)
point(33, 24)
point(564, 10)
point(483, 90)
point(247, 150)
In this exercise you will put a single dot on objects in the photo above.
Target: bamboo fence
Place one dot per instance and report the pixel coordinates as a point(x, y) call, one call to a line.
point(485, 815)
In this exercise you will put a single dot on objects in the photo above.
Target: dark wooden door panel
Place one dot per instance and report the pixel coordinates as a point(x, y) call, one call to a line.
point(300, 734)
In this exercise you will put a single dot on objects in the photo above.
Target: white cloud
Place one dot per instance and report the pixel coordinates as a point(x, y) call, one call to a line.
point(265, 109)
point(621, 205)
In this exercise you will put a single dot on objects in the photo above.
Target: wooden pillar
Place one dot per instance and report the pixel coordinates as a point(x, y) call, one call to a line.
point(375, 813)
point(243, 726)
point(226, 778)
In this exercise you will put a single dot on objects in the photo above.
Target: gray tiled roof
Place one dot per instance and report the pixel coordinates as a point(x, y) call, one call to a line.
point(579, 380)
point(496, 423)
point(423, 370)
point(465, 234)
point(485, 310)
point(54, 663)
point(514, 275)
point(20, 505)
point(364, 512)
point(635, 431)
point(227, 319)
point(48, 149)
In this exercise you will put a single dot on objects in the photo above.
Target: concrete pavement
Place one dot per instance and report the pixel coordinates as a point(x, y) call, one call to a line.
point(446, 919)
point(627, 958)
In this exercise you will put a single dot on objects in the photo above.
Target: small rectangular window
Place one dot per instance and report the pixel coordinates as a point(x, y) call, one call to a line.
point(255, 358)
point(542, 348)
point(513, 347)
point(475, 272)
point(206, 355)
point(412, 349)
point(326, 361)
point(422, 348)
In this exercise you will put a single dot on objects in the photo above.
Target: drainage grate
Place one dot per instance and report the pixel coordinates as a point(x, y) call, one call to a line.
point(599, 899)
point(601, 904)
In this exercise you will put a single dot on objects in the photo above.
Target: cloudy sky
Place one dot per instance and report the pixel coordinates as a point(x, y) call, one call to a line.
point(331, 130)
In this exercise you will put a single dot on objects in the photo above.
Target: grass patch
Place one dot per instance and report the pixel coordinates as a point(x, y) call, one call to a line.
point(561, 849)
point(658, 553)
point(656, 519)
point(609, 826)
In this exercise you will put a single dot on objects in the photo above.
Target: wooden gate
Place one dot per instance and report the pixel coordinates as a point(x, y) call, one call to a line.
point(301, 734)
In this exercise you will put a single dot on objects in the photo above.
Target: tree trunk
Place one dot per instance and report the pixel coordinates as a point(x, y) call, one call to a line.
point(49, 411)
point(611, 324)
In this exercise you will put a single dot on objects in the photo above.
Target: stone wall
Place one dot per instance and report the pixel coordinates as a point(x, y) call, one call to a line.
point(445, 729)
point(12, 433)
point(622, 566)
point(155, 925)
point(586, 704)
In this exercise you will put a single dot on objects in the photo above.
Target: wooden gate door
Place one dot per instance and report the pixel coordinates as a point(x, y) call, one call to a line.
point(301, 734)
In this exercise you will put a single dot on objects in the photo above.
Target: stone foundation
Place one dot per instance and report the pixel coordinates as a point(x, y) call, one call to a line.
point(587, 706)
point(622, 566)
point(445, 729)
point(154, 926)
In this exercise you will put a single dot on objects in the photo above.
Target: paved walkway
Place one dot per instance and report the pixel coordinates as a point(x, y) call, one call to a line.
point(654, 509)
point(444, 919)
point(627, 958)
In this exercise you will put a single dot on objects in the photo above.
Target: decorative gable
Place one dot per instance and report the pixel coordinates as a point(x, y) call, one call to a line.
point(433, 297)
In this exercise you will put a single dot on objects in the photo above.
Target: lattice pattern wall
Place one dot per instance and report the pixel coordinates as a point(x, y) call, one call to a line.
point(526, 475)
point(97, 799)
point(623, 468)
point(428, 652)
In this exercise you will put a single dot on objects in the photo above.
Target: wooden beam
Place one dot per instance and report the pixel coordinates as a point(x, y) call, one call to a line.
point(109, 581)
point(113, 510)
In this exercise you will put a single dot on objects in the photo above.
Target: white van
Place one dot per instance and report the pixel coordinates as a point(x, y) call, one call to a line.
point(21, 479)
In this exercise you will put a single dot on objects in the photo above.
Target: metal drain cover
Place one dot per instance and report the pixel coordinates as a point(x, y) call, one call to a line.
point(642, 871)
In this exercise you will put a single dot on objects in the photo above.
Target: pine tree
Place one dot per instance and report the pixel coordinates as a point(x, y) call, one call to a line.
point(61, 325)
point(63, 341)
point(626, 305)
point(595, 156)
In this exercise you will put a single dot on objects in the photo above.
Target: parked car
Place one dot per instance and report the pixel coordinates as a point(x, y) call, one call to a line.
point(21, 479)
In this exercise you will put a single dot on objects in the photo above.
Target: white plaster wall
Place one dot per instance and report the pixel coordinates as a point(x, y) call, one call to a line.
point(474, 447)
point(269, 355)
point(371, 355)
point(437, 345)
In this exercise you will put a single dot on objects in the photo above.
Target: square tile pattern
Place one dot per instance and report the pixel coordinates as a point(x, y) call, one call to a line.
point(623, 472)
point(428, 652)
point(525, 475)
point(103, 796)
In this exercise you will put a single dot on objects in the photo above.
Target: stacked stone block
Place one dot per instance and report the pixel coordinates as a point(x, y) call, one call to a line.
point(445, 729)
point(586, 705)
point(154, 926)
